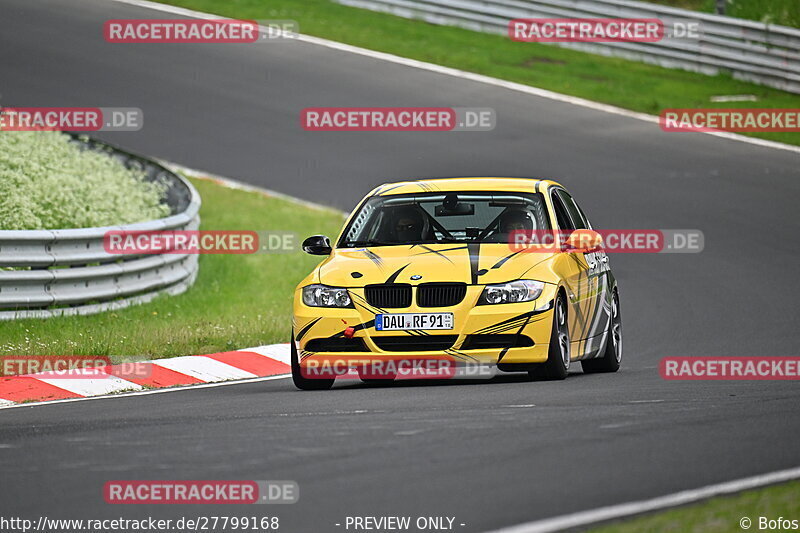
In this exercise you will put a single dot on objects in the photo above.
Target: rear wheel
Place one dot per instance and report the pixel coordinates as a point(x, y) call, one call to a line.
point(558, 354)
point(304, 383)
point(612, 356)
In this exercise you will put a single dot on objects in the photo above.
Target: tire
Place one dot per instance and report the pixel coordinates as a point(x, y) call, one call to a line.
point(301, 382)
point(558, 353)
point(612, 355)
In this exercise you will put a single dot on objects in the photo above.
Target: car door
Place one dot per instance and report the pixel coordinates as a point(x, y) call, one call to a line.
point(593, 287)
point(574, 272)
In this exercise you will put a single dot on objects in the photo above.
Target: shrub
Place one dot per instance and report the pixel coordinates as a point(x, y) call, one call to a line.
point(47, 182)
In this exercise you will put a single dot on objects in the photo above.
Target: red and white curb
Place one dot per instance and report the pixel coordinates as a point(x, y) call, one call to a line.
point(262, 361)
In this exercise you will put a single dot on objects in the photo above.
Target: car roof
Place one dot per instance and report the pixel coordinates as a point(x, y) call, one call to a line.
point(489, 184)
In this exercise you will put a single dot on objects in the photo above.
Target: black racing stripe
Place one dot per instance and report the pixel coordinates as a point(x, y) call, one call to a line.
point(506, 258)
point(387, 189)
point(375, 258)
point(391, 279)
point(515, 319)
point(580, 275)
point(500, 329)
point(439, 252)
point(507, 321)
point(460, 355)
point(598, 305)
point(507, 327)
point(432, 251)
point(521, 328)
point(503, 353)
point(474, 260)
point(360, 301)
point(305, 328)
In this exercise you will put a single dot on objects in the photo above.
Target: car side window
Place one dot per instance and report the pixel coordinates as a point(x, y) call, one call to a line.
point(574, 211)
point(583, 215)
point(562, 217)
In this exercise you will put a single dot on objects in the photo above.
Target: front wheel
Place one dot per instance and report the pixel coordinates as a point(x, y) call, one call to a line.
point(558, 353)
point(612, 356)
point(304, 383)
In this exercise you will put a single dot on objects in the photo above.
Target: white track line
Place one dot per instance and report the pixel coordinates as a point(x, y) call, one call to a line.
point(203, 368)
point(612, 512)
point(527, 89)
point(242, 186)
point(5, 404)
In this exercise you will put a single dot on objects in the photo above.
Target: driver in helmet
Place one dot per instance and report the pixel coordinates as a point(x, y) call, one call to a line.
point(516, 220)
point(408, 224)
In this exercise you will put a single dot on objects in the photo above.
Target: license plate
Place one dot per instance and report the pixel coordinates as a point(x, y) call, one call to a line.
point(411, 321)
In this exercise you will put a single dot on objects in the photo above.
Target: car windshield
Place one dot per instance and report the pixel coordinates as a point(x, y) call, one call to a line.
point(444, 217)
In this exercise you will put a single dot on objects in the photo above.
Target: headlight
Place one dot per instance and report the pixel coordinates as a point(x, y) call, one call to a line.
point(324, 296)
point(522, 290)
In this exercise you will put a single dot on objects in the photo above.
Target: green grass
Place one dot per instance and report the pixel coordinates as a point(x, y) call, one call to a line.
point(783, 12)
point(47, 182)
point(718, 515)
point(695, 5)
point(626, 84)
point(238, 301)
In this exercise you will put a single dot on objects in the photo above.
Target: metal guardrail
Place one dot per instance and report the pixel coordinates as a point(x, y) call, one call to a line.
point(68, 272)
point(766, 54)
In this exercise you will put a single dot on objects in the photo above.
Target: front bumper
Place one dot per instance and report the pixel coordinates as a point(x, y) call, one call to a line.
point(482, 334)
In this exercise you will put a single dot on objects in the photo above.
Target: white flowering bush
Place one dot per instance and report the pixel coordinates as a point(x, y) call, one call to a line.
point(46, 182)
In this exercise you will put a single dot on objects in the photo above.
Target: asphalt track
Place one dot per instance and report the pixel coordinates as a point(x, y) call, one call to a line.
point(489, 454)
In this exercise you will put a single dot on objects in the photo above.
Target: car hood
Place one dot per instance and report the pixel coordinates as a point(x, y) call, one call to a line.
point(455, 262)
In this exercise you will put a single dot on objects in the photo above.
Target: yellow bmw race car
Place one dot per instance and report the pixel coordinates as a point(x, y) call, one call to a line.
point(434, 270)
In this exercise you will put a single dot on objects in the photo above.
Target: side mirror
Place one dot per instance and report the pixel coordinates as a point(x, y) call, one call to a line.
point(317, 245)
point(583, 241)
